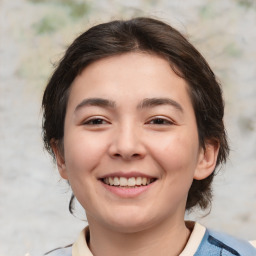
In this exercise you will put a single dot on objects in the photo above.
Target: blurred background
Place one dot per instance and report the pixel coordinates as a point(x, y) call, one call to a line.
point(34, 34)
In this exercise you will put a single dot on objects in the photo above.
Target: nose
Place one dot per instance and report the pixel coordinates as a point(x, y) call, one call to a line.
point(127, 144)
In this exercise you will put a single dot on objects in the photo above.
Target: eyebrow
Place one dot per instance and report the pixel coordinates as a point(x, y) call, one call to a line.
point(146, 103)
point(98, 102)
point(153, 102)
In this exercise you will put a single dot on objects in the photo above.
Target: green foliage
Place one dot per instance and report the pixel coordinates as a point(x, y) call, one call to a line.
point(79, 10)
point(206, 12)
point(246, 3)
point(76, 9)
point(36, 1)
point(233, 50)
point(47, 25)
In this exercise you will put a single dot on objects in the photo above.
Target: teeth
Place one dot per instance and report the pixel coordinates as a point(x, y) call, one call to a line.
point(111, 181)
point(130, 182)
point(138, 181)
point(123, 182)
point(116, 181)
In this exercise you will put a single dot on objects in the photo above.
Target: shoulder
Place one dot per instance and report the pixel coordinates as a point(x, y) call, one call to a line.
point(64, 251)
point(223, 244)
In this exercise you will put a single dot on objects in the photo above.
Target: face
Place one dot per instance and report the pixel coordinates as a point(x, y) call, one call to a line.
point(131, 146)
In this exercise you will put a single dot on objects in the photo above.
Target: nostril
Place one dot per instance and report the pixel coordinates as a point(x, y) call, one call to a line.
point(127, 156)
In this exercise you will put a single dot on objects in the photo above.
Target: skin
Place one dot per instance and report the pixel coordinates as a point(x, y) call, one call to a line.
point(159, 140)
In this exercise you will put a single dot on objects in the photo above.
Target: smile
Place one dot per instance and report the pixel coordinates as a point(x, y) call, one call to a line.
point(128, 182)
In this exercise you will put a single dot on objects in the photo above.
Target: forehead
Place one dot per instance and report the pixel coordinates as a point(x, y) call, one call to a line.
point(144, 65)
point(129, 76)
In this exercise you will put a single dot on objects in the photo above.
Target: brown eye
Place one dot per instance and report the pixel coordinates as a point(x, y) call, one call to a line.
point(160, 121)
point(95, 121)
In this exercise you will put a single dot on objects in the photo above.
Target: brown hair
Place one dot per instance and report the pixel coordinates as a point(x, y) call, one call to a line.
point(150, 36)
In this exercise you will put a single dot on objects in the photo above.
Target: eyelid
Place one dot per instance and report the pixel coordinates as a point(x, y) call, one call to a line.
point(93, 118)
point(165, 119)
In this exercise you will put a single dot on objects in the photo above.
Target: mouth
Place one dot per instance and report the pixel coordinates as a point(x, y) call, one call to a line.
point(131, 182)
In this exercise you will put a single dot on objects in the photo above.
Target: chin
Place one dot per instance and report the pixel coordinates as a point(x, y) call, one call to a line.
point(128, 228)
point(129, 223)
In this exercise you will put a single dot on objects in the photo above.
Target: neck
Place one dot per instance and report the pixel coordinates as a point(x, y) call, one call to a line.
point(164, 239)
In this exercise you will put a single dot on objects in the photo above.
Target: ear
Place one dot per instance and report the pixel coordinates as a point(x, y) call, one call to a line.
point(207, 160)
point(59, 156)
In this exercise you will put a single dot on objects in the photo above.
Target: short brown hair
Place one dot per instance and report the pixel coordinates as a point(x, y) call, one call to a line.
point(150, 36)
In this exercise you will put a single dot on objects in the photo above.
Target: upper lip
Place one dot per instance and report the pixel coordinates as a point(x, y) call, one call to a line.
point(127, 175)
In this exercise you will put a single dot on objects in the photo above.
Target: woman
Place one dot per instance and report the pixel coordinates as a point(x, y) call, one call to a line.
point(133, 116)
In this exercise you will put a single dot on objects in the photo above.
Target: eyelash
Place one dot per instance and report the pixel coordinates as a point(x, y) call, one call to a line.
point(91, 121)
point(163, 121)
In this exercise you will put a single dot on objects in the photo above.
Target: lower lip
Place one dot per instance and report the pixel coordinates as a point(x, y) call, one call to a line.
point(128, 192)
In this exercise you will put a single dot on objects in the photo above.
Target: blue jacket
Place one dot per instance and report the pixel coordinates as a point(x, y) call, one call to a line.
point(220, 244)
point(212, 244)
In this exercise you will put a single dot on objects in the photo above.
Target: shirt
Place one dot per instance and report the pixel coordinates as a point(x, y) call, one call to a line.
point(202, 242)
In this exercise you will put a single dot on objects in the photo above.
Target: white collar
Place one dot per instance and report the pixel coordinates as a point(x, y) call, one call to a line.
point(80, 247)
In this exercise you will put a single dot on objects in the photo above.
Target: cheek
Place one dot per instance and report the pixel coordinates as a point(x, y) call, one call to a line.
point(177, 154)
point(83, 152)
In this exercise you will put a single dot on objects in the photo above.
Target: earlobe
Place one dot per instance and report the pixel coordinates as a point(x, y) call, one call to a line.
point(59, 159)
point(207, 160)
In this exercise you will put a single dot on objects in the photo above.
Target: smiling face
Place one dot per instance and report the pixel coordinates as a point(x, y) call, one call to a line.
point(131, 146)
